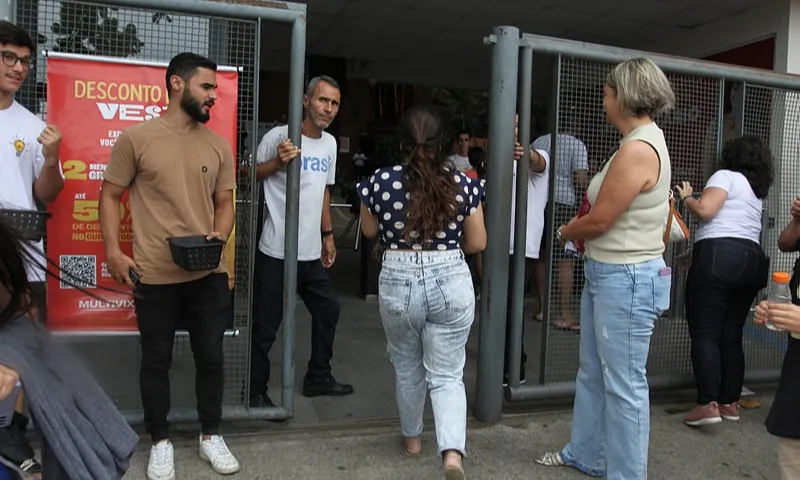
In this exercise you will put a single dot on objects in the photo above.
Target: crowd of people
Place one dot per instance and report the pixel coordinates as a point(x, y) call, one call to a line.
point(427, 214)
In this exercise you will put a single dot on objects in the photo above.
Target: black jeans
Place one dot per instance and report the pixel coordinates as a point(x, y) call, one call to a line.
point(529, 268)
point(724, 279)
point(316, 289)
point(202, 306)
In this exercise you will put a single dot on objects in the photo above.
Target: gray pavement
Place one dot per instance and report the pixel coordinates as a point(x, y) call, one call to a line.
point(500, 452)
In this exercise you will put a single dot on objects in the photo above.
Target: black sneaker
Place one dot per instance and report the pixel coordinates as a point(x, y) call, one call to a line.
point(263, 401)
point(16, 452)
point(522, 378)
point(328, 387)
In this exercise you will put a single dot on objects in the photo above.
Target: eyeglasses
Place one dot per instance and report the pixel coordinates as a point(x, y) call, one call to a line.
point(10, 59)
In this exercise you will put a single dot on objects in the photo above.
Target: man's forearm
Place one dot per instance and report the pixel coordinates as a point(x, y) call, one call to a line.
point(223, 218)
point(538, 164)
point(268, 168)
point(109, 223)
point(327, 223)
point(50, 183)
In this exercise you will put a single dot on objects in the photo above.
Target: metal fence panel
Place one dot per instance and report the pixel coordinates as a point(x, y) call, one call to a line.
point(145, 34)
point(691, 132)
point(711, 109)
point(771, 114)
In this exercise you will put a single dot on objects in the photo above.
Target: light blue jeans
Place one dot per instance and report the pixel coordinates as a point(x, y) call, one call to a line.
point(611, 416)
point(427, 306)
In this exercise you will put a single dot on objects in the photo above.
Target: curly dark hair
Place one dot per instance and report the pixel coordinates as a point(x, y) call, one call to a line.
point(428, 179)
point(752, 158)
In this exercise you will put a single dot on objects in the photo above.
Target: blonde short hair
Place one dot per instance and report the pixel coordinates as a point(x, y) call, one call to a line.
point(642, 88)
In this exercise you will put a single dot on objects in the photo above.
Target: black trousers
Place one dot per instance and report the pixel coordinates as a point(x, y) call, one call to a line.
point(316, 289)
point(202, 307)
point(529, 269)
point(725, 276)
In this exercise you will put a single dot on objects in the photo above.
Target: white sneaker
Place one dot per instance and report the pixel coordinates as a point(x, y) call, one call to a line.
point(215, 451)
point(162, 462)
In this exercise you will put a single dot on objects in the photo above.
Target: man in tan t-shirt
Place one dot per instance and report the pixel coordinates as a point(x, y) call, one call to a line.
point(180, 178)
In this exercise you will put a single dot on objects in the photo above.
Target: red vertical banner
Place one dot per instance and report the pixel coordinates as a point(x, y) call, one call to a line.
point(92, 101)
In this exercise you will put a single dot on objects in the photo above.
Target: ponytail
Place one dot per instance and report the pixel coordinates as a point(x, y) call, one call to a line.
point(430, 183)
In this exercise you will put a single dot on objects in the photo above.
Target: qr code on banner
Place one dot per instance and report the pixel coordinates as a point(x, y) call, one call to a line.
point(78, 270)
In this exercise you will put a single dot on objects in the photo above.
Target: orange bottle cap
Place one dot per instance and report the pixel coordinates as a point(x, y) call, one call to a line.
point(781, 277)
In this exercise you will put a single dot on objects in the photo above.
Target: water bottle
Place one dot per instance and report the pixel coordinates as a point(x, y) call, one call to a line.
point(778, 293)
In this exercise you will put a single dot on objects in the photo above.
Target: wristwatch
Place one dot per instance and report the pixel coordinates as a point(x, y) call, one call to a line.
point(558, 235)
point(326, 233)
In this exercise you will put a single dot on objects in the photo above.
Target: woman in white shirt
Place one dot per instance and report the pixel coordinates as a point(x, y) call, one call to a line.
point(728, 269)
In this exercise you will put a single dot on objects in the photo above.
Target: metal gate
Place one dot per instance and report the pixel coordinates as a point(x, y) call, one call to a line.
point(230, 34)
point(715, 102)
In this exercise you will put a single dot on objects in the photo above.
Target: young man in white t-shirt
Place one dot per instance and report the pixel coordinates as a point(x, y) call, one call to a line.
point(460, 159)
point(316, 248)
point(30, 170)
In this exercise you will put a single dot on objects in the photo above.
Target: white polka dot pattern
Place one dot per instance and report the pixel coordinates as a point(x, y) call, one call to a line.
point(385, 195)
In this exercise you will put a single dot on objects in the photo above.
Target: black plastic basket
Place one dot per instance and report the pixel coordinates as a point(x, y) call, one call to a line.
point(194, 252)
point(30, 224)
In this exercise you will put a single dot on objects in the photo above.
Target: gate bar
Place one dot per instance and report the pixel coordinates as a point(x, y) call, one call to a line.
point(515, 336)
point(696, 68)
point(296, 72)
point(124, 333)
point(229, 413)
point(7, 10)
point(656, 383)
point(255, 194)
point(502, 106)
point(275, 11)
point(550, 218)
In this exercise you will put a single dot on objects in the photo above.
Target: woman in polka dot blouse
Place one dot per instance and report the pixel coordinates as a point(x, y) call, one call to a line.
point(426, 216)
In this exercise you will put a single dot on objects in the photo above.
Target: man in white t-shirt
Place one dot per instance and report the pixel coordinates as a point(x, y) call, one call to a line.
point(460, 159)
point(315, 240)
point(538, 174)
point(572, 178)
point(30, 170)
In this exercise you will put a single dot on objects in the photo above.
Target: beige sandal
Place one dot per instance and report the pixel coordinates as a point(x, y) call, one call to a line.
point(550, 459)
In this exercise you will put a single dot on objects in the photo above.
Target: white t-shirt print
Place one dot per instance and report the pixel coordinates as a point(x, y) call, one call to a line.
point(21, 163)
point(317, 171)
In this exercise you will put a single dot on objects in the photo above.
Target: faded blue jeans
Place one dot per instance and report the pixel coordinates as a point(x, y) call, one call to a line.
point(611, 416)
point(427, 306)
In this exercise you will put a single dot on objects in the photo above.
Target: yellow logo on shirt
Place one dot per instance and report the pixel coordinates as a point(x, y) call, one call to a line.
point(19, 146)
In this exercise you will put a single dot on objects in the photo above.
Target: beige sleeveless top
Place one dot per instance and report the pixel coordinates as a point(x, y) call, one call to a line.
point(638, 234)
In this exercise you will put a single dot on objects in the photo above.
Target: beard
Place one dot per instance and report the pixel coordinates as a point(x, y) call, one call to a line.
point(194, 108)
point(319, 121)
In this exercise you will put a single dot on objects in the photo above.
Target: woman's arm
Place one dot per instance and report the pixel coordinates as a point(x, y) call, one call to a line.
point(369, 223)
point(635, 167)
point(708, 205)
point(474, 239)
point(711, 200)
